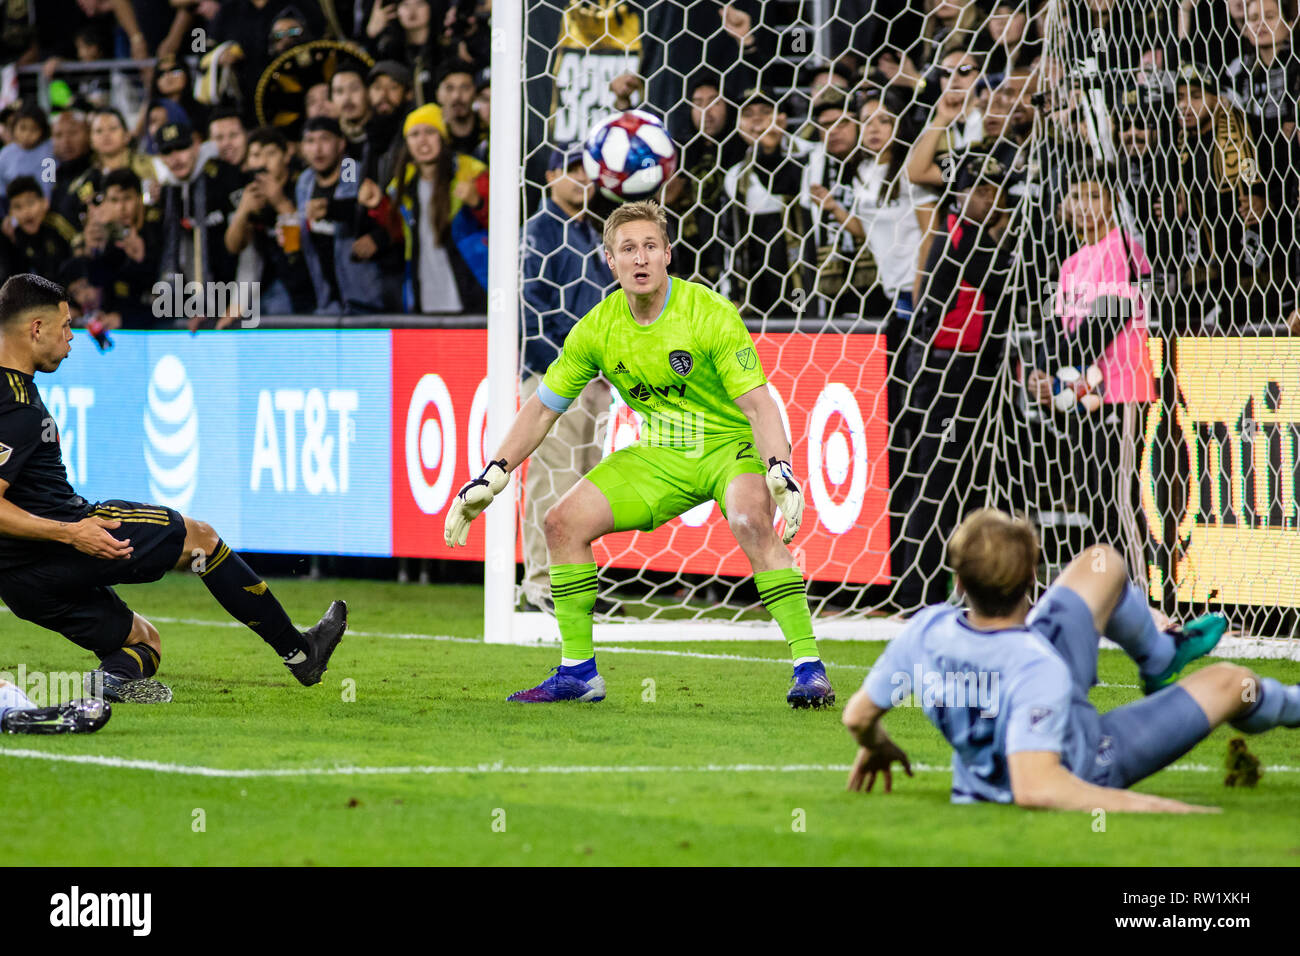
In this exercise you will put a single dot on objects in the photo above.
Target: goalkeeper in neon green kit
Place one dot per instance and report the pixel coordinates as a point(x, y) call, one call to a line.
point(681, 357)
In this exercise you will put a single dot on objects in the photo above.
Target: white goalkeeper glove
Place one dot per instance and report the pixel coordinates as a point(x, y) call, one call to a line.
point(471, 500)
point(784, 489)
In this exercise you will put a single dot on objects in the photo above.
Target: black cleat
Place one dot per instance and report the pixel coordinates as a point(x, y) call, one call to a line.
point(321, 640)
point(144, 690)
point(84, 716)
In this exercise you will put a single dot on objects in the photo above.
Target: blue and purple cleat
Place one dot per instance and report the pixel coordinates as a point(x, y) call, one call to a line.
point(811, 687)
point(580, 682)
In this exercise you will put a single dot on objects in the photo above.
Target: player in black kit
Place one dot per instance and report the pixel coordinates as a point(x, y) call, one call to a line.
point(60, 554)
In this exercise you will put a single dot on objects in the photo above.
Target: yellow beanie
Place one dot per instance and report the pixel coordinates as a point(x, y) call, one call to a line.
point(429, 113)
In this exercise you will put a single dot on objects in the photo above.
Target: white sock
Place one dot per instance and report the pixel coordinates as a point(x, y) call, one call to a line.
point(806, 660)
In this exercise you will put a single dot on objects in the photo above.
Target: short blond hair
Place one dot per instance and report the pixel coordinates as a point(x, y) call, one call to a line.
point(646, 210)
point(995, 556)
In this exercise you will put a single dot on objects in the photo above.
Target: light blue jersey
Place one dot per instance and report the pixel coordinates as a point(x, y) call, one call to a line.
point(990, 693)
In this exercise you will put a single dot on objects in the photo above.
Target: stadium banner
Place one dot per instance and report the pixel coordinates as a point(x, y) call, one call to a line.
point(1236, 428)
point(278, 439)
point(354, 441)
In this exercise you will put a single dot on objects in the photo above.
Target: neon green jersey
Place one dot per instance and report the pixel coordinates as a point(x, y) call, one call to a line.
point(681, 373)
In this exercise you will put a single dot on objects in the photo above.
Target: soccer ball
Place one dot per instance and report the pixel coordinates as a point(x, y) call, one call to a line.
point(629, 155)
point(1078, 389)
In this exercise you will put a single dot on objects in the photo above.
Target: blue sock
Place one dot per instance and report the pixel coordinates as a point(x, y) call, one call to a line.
point(1276, 705)
point(1132, 628)
point(583, 671)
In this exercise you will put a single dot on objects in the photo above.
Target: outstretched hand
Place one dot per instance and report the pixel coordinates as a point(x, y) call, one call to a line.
point(873, 760)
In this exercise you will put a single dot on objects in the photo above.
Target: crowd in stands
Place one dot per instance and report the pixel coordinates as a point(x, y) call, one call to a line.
point(367, 193)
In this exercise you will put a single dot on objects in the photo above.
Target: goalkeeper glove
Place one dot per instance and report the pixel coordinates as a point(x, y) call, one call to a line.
point(784, 489)
point(471, 500)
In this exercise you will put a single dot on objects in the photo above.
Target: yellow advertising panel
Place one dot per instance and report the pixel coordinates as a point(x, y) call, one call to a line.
point(1238, 420)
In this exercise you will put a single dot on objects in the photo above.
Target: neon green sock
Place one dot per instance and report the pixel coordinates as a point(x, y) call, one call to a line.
point(573, 589)
point(782, 592)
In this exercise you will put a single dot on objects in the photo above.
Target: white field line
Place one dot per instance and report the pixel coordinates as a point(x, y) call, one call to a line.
point(608, 649)
point(698, 655)
point(489, 768)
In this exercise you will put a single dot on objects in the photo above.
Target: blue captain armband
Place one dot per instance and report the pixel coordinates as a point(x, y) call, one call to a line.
point(556, 403)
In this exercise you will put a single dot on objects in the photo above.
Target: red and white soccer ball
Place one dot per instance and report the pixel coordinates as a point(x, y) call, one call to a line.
point(629, 155)
point(1079, 389)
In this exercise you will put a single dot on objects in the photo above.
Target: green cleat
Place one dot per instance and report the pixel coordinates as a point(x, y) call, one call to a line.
point(1192, 640)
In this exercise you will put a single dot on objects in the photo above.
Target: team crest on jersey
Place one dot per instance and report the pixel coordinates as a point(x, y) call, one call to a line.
point(746, 358)
point(681, 362)
point(5, 452)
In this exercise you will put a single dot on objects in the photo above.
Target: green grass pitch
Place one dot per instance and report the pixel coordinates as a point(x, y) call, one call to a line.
point(714, 769)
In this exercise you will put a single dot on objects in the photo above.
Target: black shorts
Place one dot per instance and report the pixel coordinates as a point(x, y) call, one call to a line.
point(71, 592)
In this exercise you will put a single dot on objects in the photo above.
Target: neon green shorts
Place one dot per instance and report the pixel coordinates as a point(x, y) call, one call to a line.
point(649, 485)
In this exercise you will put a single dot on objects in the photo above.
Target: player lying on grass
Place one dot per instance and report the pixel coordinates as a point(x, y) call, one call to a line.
point(60, 554)
point(1036, 740)
point(681, 357)
point(18, 715)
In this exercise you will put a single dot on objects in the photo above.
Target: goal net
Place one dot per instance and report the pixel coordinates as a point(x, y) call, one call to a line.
point(1033, 255)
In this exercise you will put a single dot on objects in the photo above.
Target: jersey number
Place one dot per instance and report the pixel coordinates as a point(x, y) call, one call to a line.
point(745, 446)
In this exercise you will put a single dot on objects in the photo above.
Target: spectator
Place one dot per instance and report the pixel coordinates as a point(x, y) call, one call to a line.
point(714, 145)
point(160, 113)
point(951, 363)
point(1215, 148)
point(441, 199)
point(340, 258)
point(843, 268)
point(1100, 320)
point(319, 103)
point(882, 210)
point(1148, 169)
point(824, 81)
point(31, 153)
point(454, 91)
point(390, 100)
point(950, 27)
point(740, 49)
point(1009, 37)
point(956, 123)
point(226, 132)
point(173, 84)
point(199, 194)
point(350, 99)
point(465, 32)
point(35, 239)
point(70, 136)
point(111, 145)
point(564, 278)
point(762, 246)
point(288, 30)
point(123, 250)
point(266, 222)
point(403, 31)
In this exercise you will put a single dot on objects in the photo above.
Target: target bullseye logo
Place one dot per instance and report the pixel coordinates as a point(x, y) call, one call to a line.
point(478, 429)
point(431, 443)
point(838, 457)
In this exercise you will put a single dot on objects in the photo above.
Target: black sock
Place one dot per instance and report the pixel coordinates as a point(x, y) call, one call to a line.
point(248, 600)
point(131, 662)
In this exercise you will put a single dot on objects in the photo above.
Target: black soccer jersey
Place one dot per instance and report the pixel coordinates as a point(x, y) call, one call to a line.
point(32, 464)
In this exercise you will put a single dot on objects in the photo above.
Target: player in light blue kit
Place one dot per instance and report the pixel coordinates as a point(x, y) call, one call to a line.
point(1008, 687)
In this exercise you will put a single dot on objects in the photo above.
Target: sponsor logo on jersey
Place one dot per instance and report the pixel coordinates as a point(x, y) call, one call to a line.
point(619, 369)
point(5, 452)
point(746, 358)
point(640, 392)
point(1038, 715)
point(643, 392)
point(681, 362)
